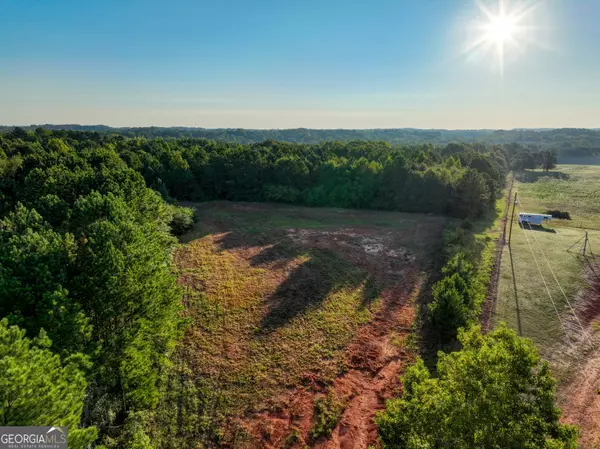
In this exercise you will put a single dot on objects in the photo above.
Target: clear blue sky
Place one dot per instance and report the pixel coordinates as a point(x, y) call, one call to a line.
point(288, 63)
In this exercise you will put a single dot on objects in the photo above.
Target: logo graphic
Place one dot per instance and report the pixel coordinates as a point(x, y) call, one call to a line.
point(33, 437)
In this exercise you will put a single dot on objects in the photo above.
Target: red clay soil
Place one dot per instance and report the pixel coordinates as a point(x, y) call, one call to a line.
point(580, 401)
point(374, 365)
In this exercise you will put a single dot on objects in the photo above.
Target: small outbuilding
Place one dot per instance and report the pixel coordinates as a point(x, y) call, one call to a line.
point(534, 219)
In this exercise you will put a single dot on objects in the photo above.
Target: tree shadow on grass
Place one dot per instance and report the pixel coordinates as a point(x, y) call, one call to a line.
point(529, 176)
point(235, 239)
point(277, 253)
point(309, 285)
point(371, 291)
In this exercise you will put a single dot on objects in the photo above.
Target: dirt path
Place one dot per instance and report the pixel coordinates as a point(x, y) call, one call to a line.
point(489, 306)
point(581, 403)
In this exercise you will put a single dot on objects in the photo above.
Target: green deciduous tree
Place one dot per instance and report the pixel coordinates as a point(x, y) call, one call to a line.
point(523, 160)
point(494, 393)
point(472, 196)
point(547, 159)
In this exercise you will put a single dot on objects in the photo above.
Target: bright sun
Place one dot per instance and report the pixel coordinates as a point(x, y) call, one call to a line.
point(502, 28)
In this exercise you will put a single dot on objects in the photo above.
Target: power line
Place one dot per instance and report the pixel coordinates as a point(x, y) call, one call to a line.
point(558, 283)
point(546, 285)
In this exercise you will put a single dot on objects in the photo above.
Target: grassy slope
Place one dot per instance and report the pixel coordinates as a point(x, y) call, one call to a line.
point(272, 312)
point(578, 192)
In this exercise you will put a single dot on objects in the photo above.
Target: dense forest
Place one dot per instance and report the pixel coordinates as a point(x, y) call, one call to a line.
point(458, 179)
point(571, 145)
point(86, 236)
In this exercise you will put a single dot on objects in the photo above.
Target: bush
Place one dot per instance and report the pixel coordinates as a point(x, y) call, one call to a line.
point(182, 221)
point(281, 194)
point(452, 305)
point(562, 215)
point(328, 411)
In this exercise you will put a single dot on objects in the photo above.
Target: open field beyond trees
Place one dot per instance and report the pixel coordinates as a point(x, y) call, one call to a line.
point(575, 189)
point(301, 319)
point(553, 312)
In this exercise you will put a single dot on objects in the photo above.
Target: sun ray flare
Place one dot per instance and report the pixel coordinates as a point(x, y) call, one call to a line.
point(503, 28)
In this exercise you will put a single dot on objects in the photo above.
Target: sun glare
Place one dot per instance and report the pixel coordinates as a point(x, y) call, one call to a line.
point(501, 29)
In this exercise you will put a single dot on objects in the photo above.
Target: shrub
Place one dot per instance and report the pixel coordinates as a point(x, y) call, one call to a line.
point(281, 194)
point(562, 215)
point(182, 221)
point(328, 411)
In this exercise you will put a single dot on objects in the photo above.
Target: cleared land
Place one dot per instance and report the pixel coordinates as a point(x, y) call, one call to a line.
point(525, 303)
point(302, 320)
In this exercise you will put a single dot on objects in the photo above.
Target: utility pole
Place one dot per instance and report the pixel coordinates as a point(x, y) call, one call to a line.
point(512, 217)
point(585, 244)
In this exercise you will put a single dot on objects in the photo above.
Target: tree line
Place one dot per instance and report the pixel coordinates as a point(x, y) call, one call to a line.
point(489, 391)
point(457, 179)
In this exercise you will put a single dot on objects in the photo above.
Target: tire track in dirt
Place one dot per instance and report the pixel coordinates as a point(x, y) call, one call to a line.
point(375, 377)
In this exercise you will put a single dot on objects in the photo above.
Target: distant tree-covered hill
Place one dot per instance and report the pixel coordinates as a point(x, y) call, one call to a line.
point(573, 145)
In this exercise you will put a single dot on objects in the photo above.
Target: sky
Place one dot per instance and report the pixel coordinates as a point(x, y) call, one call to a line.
point(290, 64)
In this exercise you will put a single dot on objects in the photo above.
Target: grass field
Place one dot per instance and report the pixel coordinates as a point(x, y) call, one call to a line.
point(571, 188)
point(291, 307)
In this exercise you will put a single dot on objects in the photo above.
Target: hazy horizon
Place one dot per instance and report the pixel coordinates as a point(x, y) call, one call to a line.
point(270, 65)
point(24, 125)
